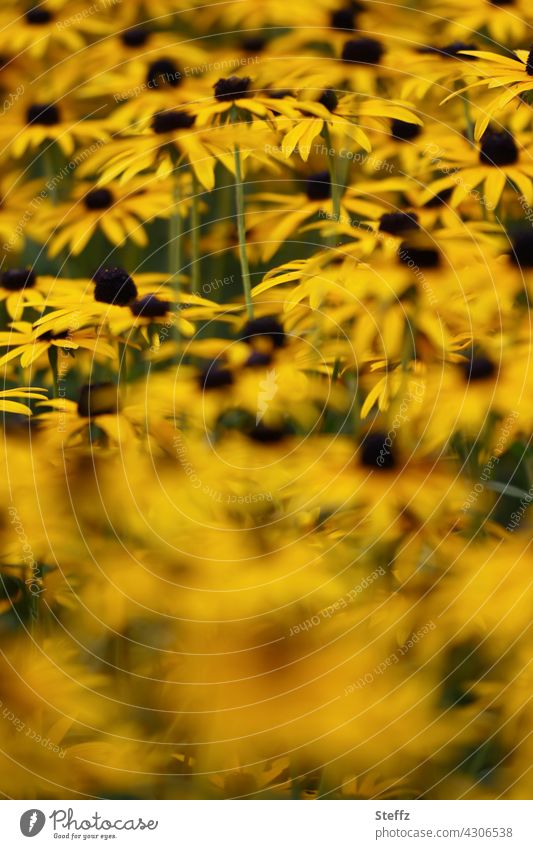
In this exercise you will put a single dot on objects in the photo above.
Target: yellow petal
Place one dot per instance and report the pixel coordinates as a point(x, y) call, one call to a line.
point(14, 407)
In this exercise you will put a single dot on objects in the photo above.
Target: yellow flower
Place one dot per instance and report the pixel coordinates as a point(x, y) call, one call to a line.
point(21, 288)
point(496, 71)
point(170, 140)
point(39, 30)
point(7, 405)
point(98, 408)
point(236, 97)
point(504, 24)
point(30, 343)
point(499, 158)
point(118, 211)
point(29, 126)
point(327, 113)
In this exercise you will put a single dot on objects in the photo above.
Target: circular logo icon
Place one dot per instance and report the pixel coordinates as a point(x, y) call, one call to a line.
point(32, 822)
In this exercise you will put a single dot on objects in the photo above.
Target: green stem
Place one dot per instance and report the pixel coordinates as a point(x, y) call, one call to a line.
point(175, 235)
point(511, 491)
point(129, 256)
point(50, 171)
point(241, 228)
point(225, 212)
point(195, 235)
point(335, 187)
point(469, 120)
point(34, 600)
point(174, 248)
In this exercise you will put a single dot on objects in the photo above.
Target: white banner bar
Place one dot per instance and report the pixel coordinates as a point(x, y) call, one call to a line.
point(268, 825)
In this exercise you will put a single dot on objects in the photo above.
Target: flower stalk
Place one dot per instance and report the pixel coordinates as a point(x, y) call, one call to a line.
point(241, 227)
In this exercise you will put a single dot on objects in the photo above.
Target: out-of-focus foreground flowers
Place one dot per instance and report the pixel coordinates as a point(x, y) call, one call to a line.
point(266, 352)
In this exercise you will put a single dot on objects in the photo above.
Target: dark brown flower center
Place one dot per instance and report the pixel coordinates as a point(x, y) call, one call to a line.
point(419, 257)
point(38, 16)
point(135, 37)
point(404, 131)
point(364, 51)
point(479, 368)
point(232, 88)
point(215, 377)
point(344, 18)
point(318, 186)
point(98, 199)
point(376, 453)
point(398, 222)
point(254, 44)
point(498, 148)
point(265, 434)
point(329, 99)
point(171, 120)
point(16, 279)
point(114, 286)
point(163, 72)
point(43, 114)
point(150, 307)
point(522, 252)
point(267, 325)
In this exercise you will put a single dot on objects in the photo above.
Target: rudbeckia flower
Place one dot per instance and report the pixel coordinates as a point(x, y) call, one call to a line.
point(383, 485)
point(388, 231)
point(102, 301)
point(364, 63)
point(464, 397)
point(265, 337)
point(505, 21)
point(117, 211)
point(32, 124)
point(498, 159)
point(157, 313)
point(170, 140)
point(516, 263)
point(21, 288)
point(503, 595)
point(293, 210)
point(146, 81)
point(438, 66)
point(272, 13)
point(236, 97)
point(8, 405)
point(129, 56)
point(99, 405)
point(269, 382)
point(496, 71)
point(267, 780)
point(16, 222)
point(327, 113)
point(38, 30)
point(30, 343)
